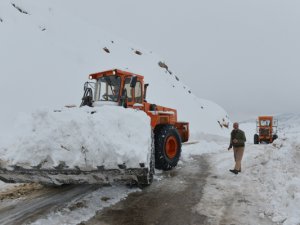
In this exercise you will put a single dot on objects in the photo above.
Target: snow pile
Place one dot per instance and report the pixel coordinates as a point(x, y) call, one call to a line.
point(83, 137)
point(48, 50)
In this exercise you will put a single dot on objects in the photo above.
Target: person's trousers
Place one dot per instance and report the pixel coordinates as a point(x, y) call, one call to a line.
point(238, 156)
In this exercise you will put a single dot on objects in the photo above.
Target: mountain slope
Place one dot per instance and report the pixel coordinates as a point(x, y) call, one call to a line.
point(47, 52)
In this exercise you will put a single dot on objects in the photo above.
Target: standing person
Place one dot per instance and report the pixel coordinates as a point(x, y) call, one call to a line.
point(237, 141)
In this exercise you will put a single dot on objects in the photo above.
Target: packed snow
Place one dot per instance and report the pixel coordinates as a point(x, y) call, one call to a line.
point(80, 137)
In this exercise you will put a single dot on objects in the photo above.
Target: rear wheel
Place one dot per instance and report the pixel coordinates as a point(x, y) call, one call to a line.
point(256, 139)
point(167, 147)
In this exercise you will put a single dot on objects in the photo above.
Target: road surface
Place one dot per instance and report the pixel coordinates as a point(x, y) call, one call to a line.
point(169, 201)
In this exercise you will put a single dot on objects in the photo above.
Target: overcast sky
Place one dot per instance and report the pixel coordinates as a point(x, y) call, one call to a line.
point(244, 55)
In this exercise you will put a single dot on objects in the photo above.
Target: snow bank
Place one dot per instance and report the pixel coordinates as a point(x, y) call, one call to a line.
point(80, 137)
point(268, 189)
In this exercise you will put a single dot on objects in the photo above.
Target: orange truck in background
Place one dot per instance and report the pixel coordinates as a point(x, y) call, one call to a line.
point(266, 130)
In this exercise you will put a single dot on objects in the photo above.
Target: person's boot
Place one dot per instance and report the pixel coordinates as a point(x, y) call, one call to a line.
point(234, 171)
point(240, 170)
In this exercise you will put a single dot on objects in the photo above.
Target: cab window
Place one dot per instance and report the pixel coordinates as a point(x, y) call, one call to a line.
point(128, 89)
point(108, 88)
point(138, 92)
point(265, 123)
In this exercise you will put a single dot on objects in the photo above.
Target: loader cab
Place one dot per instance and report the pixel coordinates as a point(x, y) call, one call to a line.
point(116, 87)
point(133, 90)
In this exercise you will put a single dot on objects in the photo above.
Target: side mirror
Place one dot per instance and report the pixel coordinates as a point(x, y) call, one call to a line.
point(85, 86)
point(133, 82)
point(123, 99)
point(145, 91)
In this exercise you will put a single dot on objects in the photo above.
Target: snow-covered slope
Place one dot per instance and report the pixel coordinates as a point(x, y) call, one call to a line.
point(47, 52)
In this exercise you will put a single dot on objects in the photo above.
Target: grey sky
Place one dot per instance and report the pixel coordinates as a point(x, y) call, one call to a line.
point(244, 55)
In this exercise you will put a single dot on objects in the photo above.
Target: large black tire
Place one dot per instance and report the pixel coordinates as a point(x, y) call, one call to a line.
point(167, 147)
point(274, 137)
point(256, 139)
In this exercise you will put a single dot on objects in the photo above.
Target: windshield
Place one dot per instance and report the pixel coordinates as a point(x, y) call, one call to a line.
point(265, 123)
point(107, 88)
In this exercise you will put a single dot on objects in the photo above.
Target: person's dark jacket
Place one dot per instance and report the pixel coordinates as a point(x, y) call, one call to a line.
point(239, 135)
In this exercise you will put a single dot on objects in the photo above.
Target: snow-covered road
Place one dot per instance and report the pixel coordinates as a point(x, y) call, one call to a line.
point(265, 193)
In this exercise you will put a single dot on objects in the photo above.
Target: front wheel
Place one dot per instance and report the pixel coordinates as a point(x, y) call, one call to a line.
point(167, 147)
point(274, 137)
point(256, 139)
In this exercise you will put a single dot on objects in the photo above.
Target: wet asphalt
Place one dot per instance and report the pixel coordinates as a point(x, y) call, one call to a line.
point(171, 200)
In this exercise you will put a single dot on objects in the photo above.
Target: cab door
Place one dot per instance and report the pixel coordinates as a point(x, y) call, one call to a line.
point(134, 94)
point(129, 92)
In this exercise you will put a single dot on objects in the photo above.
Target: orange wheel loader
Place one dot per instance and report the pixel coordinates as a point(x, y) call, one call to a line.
point(123, 89)
point(128, 90)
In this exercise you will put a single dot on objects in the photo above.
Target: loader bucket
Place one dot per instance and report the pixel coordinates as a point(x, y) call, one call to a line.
point(142, 176)
point(99, 145)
